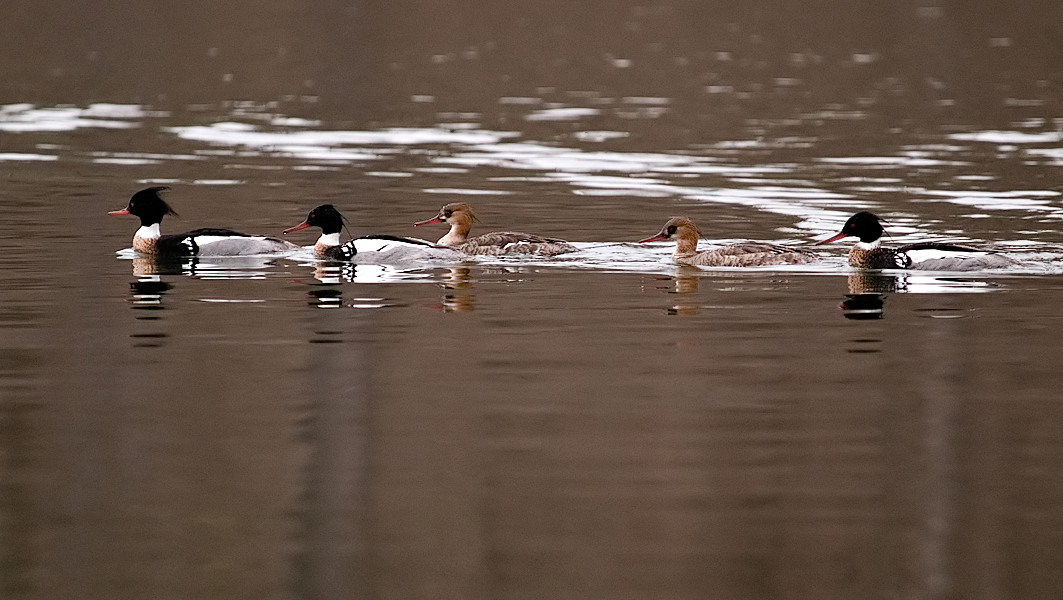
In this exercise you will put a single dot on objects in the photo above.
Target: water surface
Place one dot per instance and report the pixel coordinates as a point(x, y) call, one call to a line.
point(605, 424)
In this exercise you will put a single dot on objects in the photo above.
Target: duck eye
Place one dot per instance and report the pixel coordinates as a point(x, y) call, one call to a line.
point(447, 213)
point(671, 230)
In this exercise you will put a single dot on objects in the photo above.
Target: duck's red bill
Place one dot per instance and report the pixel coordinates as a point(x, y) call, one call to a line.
point(302, 225)
point(656, 238)
point(435, 219)
point(833, 239)
point(124, 211)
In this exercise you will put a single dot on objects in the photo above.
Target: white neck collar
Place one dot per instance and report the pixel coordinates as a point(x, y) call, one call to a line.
point(148, 232)
point(329, 239)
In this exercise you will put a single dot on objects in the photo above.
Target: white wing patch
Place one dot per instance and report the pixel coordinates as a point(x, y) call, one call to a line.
point(373, 245)
point(371, 250)
point(935, 254)
point(206, 240)
point(220, 245)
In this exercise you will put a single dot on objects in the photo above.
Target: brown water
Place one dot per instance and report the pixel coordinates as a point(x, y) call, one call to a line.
point(599, 425)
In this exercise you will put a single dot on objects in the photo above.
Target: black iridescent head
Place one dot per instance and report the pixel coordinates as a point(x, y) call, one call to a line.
point(326, 217)
point(863, 225)
point(148, 205)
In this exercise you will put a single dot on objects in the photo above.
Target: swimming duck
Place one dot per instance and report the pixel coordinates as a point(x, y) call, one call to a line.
point(869, 253)
point(376, 248)
point(460, 217)
point(148, 205)
point(741, 254)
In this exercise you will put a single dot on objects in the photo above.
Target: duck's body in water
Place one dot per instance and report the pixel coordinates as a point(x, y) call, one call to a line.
point(460, 217)
point(375, 248)
point(741, 254)
point(869, 253)
point(148, 205)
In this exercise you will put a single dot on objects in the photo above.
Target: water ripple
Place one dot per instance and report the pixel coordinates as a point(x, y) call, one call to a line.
point(27, 117)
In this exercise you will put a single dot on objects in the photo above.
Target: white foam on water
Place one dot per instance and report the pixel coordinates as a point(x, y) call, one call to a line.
point(26, 117)
point(466, 192)
point(561, 114)
point(1009, 137)
point(26, 157)
point(242, 134)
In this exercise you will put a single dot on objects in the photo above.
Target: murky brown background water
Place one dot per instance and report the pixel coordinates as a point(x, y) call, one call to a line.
point(603, 426)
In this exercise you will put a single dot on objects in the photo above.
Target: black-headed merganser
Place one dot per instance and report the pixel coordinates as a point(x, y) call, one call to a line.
point(742, 254)
point(869, 253)
point(149, 206)
point(378, 248)
point(460, 217)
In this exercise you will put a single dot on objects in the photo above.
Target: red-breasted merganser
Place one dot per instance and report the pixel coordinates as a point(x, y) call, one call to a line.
point(460, 217)
point(149, 206)
point(378, 248)
point(869, 253)
point(743, 254)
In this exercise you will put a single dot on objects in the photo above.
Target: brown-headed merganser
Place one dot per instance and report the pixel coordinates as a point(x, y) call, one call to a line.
point(743, 254)
point(378, 248)
point(460, 217)
point(149, 206)
point(869, 253)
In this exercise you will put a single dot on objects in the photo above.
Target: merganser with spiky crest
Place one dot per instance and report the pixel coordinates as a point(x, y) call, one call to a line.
point(149, 206)
point(460, 217)
point(869, 253)
point(377, 248)
point(743, 254)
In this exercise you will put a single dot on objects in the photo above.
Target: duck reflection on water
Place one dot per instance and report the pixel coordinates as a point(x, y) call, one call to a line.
point(687, 280)
point(683, 284)
point(458, 295)
point(863, 307)
point(332, 275)
point(325, 296)
point(215, 267)
point(333, 272)
point(147, 289)
point(868, 289)
point(867, 293)
point(144, 266)
point(876, 282)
